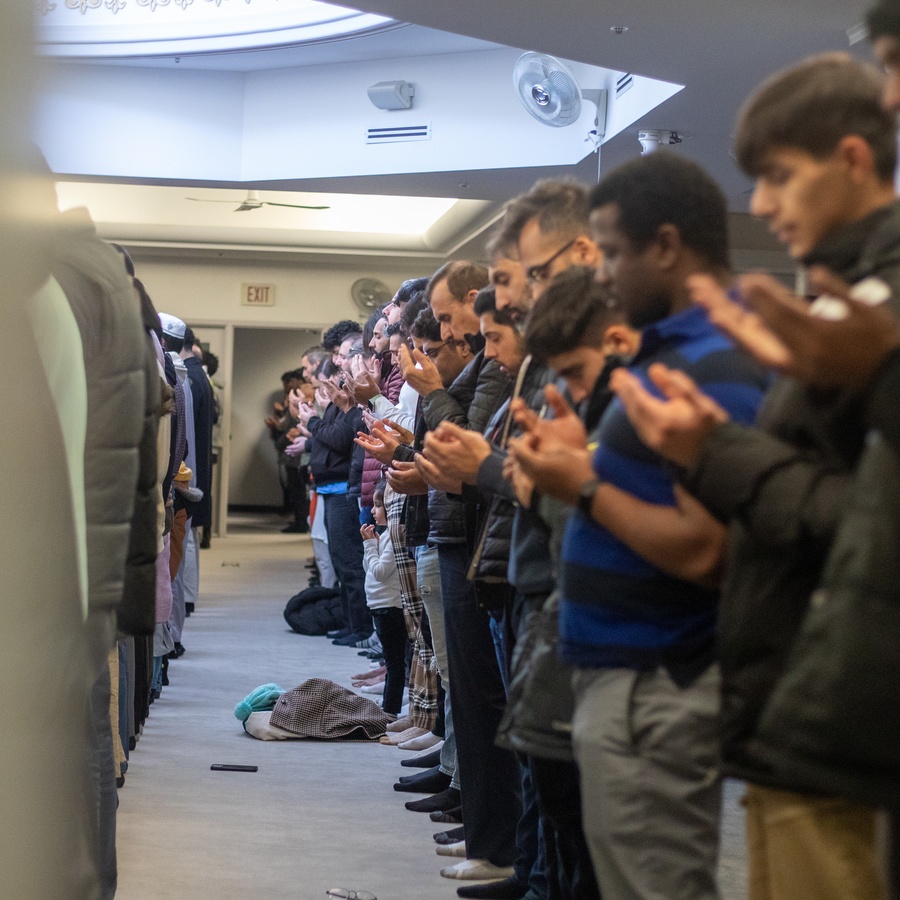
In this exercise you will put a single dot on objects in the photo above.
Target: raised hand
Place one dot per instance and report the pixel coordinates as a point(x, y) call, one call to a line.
point(419, 372)
point(844, 348)
point(456, 452)
point(404, 435)
point(677, 426)
point(404, 478)
point(436, 478)
point(558, 471)
point(565, 428)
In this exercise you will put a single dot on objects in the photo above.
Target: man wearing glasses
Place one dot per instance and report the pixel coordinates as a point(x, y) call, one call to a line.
point(550, 224)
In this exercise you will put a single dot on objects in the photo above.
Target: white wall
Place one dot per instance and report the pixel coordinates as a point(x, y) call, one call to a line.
point(260, 356)
point(307, 295)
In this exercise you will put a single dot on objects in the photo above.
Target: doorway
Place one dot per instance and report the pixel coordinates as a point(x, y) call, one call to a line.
point(259, 357)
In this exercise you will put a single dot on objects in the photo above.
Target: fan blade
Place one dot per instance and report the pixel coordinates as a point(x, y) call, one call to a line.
point(204, 200)
point(293, 205)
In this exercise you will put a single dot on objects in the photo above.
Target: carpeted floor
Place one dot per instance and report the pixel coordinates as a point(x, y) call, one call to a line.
point(316, 815)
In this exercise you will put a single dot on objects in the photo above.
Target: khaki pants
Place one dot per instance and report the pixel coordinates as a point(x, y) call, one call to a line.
point(810, 848)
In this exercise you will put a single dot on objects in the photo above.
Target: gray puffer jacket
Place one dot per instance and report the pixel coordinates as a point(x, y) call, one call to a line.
point(120, 453)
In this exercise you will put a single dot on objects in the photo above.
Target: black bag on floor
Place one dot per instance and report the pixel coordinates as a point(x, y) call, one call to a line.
point(314, 611)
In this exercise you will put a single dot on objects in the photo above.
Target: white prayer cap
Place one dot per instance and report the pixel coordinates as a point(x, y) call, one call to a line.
point(171, 326)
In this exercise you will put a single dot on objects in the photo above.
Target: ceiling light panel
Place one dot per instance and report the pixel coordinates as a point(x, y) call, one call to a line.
point(131, 28)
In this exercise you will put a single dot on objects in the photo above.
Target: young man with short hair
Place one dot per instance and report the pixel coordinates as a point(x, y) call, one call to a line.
point(550, 230)
point(640, 556)
point(822, 151)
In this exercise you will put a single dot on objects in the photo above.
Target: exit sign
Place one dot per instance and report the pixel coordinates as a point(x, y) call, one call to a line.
point(257, 295)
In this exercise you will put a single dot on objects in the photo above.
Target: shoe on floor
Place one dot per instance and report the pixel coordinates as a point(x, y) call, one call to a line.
point(457, 849)
point(444, 800)
point(338, 633)
point(448, 816)
point(477, 870)
point(426, 761)
point(508, 889)
point(432, 781)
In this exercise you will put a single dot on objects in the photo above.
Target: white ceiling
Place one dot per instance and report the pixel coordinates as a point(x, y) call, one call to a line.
point(718, 49)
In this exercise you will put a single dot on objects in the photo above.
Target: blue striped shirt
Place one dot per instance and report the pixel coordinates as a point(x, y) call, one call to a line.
point(619, 610)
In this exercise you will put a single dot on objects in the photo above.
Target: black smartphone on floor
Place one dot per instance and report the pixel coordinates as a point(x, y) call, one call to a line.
point(224, 767)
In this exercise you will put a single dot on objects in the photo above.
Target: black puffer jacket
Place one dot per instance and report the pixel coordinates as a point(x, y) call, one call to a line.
point(332, 443)
point(469, 402)
point(497, 508)
point(120, 452)
point(783, 486)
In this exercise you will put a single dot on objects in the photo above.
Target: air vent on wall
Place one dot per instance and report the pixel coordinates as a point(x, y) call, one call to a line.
point(625, 83)
point(391, 134)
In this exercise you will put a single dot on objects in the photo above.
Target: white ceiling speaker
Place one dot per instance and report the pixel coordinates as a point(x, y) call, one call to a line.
point(547, 90)
point(392, 94)
point(369, 294)
point(652, 140)
point(253, 201)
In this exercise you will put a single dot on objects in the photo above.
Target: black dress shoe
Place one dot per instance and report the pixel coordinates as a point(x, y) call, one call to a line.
point(178, 652)
point(188, 608)
point(350, 640)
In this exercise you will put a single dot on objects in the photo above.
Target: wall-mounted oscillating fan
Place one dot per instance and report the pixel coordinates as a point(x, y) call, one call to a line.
point(547, 89)
point(370, 293)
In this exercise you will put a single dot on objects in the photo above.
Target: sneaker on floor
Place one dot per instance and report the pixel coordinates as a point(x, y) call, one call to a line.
point(477, 870)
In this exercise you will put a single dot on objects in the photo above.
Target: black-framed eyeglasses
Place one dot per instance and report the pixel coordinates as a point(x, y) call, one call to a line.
point(434, 351)
point(540, 274)
point(344, 894)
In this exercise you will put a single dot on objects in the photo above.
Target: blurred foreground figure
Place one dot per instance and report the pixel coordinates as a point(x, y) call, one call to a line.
point(43, 677)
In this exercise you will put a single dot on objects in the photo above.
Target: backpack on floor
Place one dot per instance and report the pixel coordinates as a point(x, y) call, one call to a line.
point(314, 611)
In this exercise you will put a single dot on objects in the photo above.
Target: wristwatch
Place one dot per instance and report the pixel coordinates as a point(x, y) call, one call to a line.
point(586, 494)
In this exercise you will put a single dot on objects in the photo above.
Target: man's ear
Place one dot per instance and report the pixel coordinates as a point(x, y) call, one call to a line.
point(620, 340)
point(857, 155)
point(586, 252)
point(668, 246)
point(470, 297)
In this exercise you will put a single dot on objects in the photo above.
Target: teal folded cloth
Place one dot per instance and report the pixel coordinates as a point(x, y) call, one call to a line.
point(258, 700)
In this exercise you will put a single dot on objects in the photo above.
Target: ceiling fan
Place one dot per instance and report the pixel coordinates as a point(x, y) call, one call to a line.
point(253, 201)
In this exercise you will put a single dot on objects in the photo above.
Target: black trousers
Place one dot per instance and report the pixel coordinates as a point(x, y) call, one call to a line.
point(298, 496)
point(345, 547)
point(390, 626)
point(490, 778)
